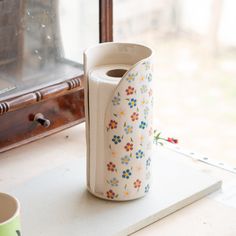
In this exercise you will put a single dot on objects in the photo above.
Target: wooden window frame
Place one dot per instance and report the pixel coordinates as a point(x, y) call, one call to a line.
point(62, 103)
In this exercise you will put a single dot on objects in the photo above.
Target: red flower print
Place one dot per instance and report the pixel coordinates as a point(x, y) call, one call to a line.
point(110, 194)
point(172, 140)
point(111, 166)
point(129, 90)
point(137, 183)
point(134, 116)
point(129, 147)
point(113, 124)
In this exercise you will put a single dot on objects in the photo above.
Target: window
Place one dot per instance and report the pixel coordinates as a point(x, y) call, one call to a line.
point(195, 45)
point(41, 42)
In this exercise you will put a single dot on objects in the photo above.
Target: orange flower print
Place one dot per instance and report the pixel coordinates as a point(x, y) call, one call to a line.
point(129, 90)
point(110, 194)
point(114, 154)
point(134, 116)
point(137, 183)
point(141, 138)
point(129, 147)
point(111, 167)
point(122, 113)
point(113, 124)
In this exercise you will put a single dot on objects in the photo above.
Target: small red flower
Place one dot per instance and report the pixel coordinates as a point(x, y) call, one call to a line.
point(129, 90)
point(110, 194)
point(113, 124)
point(111, 166)
point(129, 147)
point(172, 140)
point(137, 183)
point(134, 116)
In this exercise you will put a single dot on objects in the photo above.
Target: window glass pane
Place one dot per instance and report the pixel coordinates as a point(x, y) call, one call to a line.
point(41, 42)
point(195, 45)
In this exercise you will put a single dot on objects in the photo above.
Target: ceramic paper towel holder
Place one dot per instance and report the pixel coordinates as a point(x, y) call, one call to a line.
point(118, 107)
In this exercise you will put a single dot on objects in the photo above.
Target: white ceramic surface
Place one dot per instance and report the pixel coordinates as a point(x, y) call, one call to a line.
point(119, 120)
point(64, 207)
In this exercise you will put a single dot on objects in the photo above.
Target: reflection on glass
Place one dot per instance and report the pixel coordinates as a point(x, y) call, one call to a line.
point(41, 42)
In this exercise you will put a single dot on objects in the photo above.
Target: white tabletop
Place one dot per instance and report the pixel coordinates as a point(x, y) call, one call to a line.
point(210, 216)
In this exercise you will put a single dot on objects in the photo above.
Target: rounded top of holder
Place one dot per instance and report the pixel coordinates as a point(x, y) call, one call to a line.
point(115, 53)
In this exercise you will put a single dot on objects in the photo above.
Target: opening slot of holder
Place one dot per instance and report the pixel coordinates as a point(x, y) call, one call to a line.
point(116, 72)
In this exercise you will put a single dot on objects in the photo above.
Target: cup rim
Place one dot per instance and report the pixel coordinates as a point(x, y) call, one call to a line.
point(17, 211)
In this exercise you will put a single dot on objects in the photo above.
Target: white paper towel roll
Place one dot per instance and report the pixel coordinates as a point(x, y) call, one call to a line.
point(101, 89)
point(118, 120)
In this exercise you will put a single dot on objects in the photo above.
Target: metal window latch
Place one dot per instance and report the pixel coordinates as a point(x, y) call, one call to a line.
point(39, 118)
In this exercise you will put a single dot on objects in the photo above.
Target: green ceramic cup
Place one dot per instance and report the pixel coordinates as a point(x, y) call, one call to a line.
point(9, 216)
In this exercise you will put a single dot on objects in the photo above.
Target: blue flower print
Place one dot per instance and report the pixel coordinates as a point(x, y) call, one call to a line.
point(130, 78)
point(116, 100)
point(132, 102)
point(149, 77)
point(125, 160)
point(148, 162)
point(147, 65)
point(143, 125)
point(139, 154)
point(147, 187)
point(128, 129)
point(126, 174)
point(114, 182)
point(116, 139)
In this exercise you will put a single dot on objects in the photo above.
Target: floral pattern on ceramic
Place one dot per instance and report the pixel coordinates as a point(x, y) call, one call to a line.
point(128, 135)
